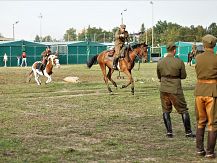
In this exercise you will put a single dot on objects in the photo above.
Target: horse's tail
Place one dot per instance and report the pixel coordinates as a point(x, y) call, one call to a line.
point(92, 61)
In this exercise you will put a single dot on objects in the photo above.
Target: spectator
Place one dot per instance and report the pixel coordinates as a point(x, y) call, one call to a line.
point(23, 59)
point(5, 59)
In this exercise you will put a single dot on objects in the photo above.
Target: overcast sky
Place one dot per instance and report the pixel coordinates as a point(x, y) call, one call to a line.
point(58, 16)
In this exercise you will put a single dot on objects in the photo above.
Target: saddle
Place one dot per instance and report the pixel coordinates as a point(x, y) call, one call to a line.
point(111, 53)
point(39, 65)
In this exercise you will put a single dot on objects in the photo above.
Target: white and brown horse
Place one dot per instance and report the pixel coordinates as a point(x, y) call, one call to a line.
point(52, 60)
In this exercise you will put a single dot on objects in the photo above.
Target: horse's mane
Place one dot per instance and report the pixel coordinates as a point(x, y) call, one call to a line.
point(138, 44)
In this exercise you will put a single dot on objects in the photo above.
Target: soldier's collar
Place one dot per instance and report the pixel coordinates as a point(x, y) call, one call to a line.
point(170, 55)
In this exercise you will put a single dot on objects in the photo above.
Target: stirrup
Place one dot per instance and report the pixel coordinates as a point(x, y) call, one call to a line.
point(115, 67)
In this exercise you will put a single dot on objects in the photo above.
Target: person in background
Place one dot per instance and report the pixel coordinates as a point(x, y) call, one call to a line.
point(206, 97)
point(170, 72)
point(5, 59)
point(23, 59)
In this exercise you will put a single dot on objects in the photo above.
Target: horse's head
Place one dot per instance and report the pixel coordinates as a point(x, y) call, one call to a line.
point(141, 50)
point(53, 59)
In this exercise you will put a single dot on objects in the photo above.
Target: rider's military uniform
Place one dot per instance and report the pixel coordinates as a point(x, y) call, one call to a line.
point(206, 96)
point(170, 71)
point(45, 54)
point(120, 39)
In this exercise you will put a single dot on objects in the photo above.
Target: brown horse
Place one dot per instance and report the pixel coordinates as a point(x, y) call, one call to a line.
point(125, 64)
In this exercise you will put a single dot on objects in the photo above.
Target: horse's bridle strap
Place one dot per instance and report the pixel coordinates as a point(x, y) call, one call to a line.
point(208, 81)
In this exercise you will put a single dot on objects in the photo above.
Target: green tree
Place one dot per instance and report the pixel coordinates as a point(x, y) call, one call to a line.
point(37, 38)
point(142, 35)
point(70, 35)
point(95, 34)
point(212, 29)
point(47, 39)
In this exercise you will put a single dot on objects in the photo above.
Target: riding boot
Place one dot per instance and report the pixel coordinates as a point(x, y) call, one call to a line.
point(42, 67)
point(115, 62)
point(187, 125)
point(200, 141)
point(211, 144)
point(168, 124)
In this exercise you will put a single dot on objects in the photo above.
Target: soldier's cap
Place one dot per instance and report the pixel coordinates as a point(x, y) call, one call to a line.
point(209, 41)
point(171, 46)
point(123, 26)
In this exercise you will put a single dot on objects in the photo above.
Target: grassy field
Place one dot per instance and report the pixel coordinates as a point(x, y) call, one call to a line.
point(66, 122)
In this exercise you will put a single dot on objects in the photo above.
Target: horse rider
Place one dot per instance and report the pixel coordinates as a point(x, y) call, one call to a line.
point(45, 54)
point(194, 50)
point(121, 36)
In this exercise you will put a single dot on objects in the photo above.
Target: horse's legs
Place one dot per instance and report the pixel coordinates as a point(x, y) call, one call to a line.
point(131, 81)
point(48, 78)
point(36, 77)
point(109, 76)
point(29, 76)
point(103, 68)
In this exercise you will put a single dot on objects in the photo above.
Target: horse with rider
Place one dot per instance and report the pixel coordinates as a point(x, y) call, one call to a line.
point(193, 53)
point(45, 66)
point(120, 58)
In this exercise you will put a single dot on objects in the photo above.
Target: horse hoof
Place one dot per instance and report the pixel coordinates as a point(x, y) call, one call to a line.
point(123, 86)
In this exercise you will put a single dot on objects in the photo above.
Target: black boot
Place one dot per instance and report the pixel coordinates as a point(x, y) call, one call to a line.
point(168, 124)
point(115, 62)
point(42, 67)
point(211, 144)
point(200, 142)
point(187, 125)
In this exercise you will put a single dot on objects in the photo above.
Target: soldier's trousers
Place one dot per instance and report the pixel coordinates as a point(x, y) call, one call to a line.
point(177, 100)
point(206, 112)
point(118, 50)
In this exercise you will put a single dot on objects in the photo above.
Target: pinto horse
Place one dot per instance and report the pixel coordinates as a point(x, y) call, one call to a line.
point(52, 60)
point(125, 64)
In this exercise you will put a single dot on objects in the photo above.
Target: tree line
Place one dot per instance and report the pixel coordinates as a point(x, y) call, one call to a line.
point(163, 32)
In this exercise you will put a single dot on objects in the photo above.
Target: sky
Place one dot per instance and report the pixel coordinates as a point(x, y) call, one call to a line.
point(59, 16)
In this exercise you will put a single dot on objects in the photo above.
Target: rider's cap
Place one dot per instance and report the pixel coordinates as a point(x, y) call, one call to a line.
point(123, 26)
point(170, 46)
point(209, 41)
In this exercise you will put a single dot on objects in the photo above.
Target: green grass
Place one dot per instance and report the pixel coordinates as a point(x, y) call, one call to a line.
point(66, 122)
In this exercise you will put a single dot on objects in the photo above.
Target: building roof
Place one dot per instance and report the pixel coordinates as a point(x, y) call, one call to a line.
point(20, 43)
point(85, 43)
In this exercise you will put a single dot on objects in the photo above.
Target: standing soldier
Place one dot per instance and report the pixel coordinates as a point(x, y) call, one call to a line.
point(170, 71)
point(206, 97)
point(121, 36)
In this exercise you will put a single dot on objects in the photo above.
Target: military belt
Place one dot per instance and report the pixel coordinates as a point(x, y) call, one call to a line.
point(171, 77)
point(208, 81)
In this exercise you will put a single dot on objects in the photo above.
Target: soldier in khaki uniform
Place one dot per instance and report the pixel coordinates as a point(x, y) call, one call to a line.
point(170, 71)
point(121, 36)
point(206, 97)
point(45, 54)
